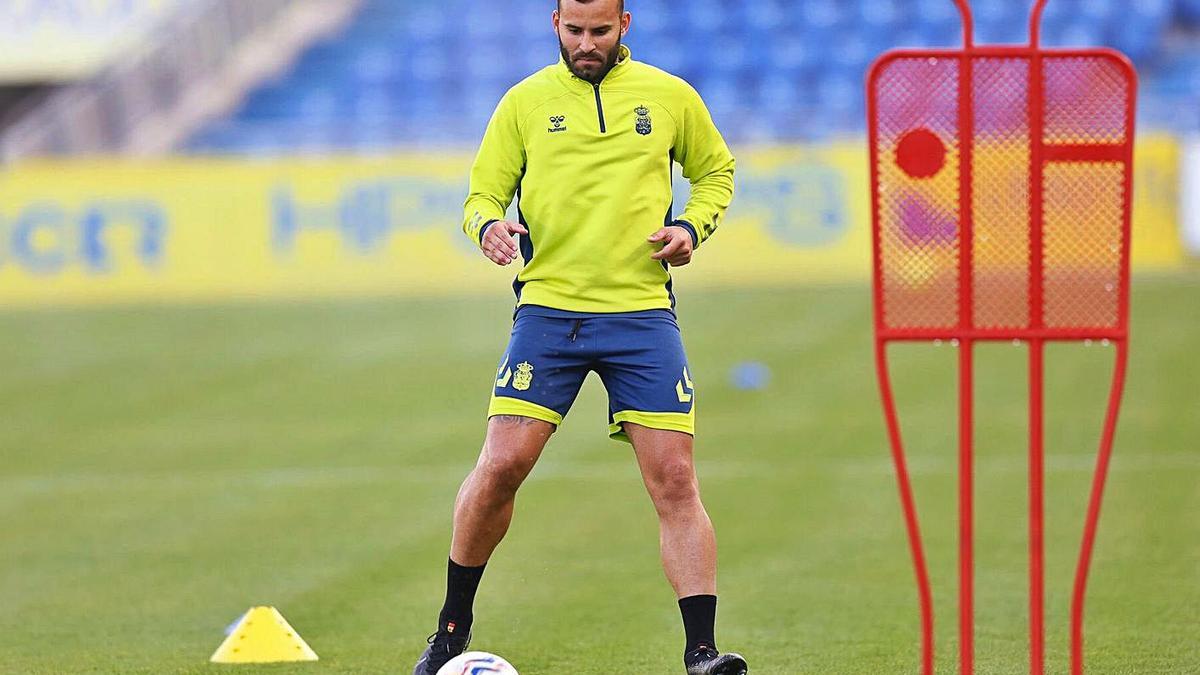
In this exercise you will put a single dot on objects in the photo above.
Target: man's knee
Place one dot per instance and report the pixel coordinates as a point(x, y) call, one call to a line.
point(510, 451)
point(502, 472)
point(673, 485)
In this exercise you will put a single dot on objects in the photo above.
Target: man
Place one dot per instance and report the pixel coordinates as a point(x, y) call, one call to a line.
point(587, 146)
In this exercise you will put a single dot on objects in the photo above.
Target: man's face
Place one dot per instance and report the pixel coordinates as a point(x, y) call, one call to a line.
point(589, 36)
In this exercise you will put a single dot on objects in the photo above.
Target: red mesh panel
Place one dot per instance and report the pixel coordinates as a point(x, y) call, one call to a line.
point(1086, 100)
point(1082, 244)
point(918, 202)
point(1000, 192)
point(1085, 150)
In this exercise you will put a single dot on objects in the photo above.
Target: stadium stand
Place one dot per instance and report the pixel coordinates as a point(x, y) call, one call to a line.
point(428, 73)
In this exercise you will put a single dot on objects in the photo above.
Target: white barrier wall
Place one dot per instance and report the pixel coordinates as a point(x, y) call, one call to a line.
point(1189, 207)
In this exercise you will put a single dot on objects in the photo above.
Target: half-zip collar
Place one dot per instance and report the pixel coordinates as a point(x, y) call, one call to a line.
point(622, 66)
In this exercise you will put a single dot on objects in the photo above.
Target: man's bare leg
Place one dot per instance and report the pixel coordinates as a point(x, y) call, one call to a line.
point(484, 507)
point(687, 542)
point(686, 538)
point(482, 513)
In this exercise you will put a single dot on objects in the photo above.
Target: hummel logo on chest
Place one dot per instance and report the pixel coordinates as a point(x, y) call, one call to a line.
point(559, 122)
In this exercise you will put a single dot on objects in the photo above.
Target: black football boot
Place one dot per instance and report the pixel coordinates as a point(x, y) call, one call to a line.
point(443, 646)
point(706, 661)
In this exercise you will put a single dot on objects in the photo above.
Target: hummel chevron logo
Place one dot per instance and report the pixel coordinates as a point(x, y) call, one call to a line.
point(504, 374)
point(684, 388)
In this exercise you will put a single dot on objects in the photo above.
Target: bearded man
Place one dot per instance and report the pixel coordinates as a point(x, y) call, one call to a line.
point(587, 147)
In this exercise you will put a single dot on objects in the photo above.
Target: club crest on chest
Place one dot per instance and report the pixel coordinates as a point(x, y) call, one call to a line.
point(643, 125)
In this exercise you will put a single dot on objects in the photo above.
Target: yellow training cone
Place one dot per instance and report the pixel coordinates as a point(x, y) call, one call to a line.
point(263, 636)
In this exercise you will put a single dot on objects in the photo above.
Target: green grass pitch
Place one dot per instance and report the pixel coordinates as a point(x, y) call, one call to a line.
point(163, 469)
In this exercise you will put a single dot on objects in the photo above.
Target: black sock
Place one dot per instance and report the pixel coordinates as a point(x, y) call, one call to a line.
point(699, 621)
point(461, 584)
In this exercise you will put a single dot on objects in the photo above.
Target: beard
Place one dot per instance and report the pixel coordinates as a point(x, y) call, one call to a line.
point(591, 71)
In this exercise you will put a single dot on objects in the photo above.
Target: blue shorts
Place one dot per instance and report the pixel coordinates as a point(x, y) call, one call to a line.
point(638, 355)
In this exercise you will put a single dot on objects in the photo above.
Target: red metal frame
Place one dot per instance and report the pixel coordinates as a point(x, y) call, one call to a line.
point(1036, 334)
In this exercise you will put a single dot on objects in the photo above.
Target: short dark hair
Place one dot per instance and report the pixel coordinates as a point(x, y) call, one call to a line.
point(620, 4)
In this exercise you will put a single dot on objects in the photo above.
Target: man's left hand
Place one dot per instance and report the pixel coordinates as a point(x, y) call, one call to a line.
point(677, 245)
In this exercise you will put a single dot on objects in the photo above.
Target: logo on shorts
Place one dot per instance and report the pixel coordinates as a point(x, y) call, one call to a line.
point(503, 374)
point(643, 125)
point(558, 121)
point(684, 388)
point(523, 377)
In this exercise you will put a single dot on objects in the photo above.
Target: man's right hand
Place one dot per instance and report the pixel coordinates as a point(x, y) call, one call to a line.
point(499, 244)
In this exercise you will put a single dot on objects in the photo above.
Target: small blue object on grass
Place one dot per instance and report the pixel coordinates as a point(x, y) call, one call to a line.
point(750, 375)
point(233, 626)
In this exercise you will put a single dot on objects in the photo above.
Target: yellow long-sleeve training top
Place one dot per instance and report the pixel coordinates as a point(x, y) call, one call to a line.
point(590, 166)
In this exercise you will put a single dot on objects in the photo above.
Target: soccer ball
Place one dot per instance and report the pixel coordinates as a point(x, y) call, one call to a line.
point(477, 663)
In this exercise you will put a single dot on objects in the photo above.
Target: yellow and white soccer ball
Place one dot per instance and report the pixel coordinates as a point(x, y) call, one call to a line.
point(477, 663)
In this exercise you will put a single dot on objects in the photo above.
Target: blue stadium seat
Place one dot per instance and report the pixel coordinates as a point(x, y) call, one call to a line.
point(324, 104)
point(842, 93)
point(376, 65)
point(777, 91)
point(445, 95)
point(1138, 37)
point(998, 11)
point(651, 16)
point(426, 21)
point(1001, 22)
point(1159, 10)
point(668, 55)
point(1060, 10)
point(1101, 13)
point(722, 94)
point(480, 100)
point(487, 21)
point(879, 15)
point(702, 16)
point(270, 102)
point(366, 29)
point(853, 52)
point(375, 10)
point(900, 39)
point(535, 55)
point(783, 94)
point(940, 35)
point(1190, 11)
point(791, 53)
point(1075, 31)
point(431, 63)
point(728, 53)
point(936, 13)
point(379, 103)
point(484, 62)
point(1181, 77)
point(534, 24)
point(765, 15)
point(325, 55)
point(823, 15)
point(758, 43)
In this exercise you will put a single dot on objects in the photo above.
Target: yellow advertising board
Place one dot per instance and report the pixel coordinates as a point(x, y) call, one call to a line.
point(211, 229)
